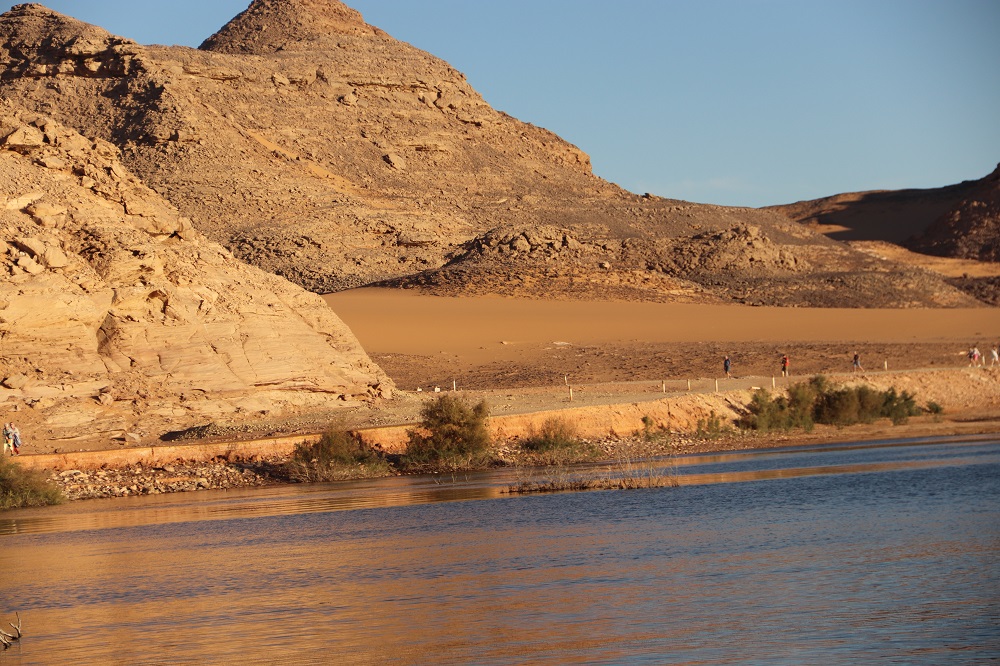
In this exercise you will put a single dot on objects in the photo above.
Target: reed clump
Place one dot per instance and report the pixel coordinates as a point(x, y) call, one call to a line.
point(629, 472)
point(556, 442)
point(339, 454)
point(21, 488)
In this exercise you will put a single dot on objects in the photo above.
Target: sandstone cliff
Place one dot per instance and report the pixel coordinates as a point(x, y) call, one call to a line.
point(118, 319)
point(317, 147)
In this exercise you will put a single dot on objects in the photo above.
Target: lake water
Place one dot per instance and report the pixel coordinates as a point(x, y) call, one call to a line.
point(885, 552)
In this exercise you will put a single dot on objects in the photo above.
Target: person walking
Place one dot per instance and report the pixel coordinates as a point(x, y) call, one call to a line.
point(16, 436)
point(977, 357)
point(10, 442)
point(727, 366)
point(784, 365)
point(994, 356)
point(856, 364)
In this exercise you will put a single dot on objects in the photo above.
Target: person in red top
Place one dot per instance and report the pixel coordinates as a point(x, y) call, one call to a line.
point(784, 365)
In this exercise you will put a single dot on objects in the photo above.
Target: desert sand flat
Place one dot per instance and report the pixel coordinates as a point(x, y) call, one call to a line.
point(493, 341)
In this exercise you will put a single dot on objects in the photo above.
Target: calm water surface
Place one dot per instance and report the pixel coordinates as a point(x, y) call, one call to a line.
point(886, 552)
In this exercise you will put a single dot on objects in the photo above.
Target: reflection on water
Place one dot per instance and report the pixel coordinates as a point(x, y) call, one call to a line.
point(831, 554)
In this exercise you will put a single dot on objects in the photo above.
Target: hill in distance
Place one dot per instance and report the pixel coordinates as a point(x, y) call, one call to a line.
point(317, 147)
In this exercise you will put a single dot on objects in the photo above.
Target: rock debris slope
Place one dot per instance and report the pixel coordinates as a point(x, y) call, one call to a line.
point(118, 319)
point(319, 148)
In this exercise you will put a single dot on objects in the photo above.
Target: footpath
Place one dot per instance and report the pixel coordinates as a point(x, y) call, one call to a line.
point(968, 395)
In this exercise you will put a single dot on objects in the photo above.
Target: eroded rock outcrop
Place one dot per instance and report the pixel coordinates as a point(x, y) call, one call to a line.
point(117, 315)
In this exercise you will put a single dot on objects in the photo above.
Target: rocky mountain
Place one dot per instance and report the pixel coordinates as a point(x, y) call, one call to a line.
point(961, 220)
point(118, 319)
point(319, 148)
point(971, 228)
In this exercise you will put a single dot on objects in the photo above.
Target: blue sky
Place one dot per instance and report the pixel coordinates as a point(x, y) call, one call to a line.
point(735, 102)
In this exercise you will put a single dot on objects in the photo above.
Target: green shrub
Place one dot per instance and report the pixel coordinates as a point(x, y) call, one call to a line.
point(899, 407)
point(710, 427)
point(554, 433)
point(339, 454)
point(802, 401)
point(816, 401)
point(20, 487)
point(651, 432)
point(934, 408)
point(767, 413)
point(456, 434)
point(841, 407)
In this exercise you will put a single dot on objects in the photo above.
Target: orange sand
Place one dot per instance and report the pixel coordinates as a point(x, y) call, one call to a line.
point(480, 329)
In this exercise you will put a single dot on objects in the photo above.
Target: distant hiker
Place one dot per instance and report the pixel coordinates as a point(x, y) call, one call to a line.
point(726, 366)
point(856, 365)
point(784, 365)
point(972, 357)
point(16, 436)
point(11, 439)
point(995, 356)
point(976, 357)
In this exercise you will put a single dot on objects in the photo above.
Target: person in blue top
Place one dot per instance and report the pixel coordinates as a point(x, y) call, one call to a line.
point(727, 365)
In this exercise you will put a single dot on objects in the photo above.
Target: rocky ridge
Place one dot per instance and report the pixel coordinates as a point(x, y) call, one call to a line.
point(971, 229)
point(120, 321)
point(960, 221)
point(319, 148)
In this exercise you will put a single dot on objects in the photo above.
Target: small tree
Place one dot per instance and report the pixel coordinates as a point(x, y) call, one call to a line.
point(455, 433)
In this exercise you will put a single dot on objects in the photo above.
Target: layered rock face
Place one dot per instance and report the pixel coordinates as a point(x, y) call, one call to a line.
point(117, 316)
point(317, 147)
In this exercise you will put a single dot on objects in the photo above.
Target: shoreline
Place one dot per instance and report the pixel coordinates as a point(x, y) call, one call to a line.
point(223, 473)
point(610, 417)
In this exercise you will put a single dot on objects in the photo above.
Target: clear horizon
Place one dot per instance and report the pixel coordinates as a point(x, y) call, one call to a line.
point(731, 102)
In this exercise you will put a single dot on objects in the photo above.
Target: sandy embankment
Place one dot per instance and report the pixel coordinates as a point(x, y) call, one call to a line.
point(973, 394)
point(618, 357)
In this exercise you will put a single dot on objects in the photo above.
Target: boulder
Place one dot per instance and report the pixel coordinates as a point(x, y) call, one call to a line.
point(24, 139)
